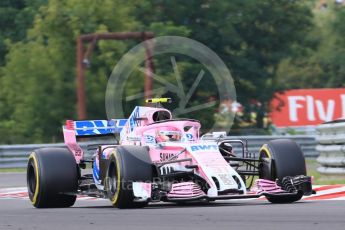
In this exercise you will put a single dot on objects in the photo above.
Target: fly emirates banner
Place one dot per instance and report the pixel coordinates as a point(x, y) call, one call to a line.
point(307, 107)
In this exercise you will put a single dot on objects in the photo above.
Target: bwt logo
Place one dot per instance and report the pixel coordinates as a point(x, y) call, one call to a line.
point(203, 147)
point(96, 127)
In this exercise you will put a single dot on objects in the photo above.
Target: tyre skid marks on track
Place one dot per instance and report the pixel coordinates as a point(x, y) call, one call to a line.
point(323, 192)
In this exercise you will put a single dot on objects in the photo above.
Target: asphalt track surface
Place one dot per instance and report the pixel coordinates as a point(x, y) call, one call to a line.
point(9, 180)
point(235, 214)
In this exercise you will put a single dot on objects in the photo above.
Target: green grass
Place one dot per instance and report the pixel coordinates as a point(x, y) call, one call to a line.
point(320, 179)
point(14, 170)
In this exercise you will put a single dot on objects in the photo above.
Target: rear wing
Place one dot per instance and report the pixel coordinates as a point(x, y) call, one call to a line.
point(95, 127)
point(89, 128)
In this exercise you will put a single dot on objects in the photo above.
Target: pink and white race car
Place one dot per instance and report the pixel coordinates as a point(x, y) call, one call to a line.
point(158, 158)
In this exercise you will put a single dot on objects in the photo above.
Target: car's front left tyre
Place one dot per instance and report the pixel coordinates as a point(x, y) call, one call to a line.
point(279, 159)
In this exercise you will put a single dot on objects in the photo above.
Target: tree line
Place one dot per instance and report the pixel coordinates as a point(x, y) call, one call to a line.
point(268, 45)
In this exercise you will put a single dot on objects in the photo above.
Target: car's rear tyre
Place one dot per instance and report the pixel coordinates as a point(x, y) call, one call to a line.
point(52, 178)
point(127, 164)
point(278, 159)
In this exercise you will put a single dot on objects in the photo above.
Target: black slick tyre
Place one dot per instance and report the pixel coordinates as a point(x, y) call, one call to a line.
point(52, 178)
point(127, 164)
point(278, 159)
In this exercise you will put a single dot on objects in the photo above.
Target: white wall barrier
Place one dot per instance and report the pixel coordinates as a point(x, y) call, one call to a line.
point(331, 146)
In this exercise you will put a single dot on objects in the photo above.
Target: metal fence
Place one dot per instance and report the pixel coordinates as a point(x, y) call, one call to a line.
point(15, 156)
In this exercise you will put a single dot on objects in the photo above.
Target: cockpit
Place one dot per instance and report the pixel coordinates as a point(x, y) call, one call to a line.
point(182, 130)
point(168, 135)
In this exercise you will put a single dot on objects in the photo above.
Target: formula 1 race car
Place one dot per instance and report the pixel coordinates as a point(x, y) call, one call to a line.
point(159, 158)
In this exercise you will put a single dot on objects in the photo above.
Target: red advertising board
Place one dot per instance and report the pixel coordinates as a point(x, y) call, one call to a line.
point(307, 107)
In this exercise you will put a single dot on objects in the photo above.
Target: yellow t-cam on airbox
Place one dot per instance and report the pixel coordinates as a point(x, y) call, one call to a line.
point(158, 100)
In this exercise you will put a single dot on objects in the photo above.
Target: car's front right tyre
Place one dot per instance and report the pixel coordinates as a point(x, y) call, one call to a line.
point(127, 164)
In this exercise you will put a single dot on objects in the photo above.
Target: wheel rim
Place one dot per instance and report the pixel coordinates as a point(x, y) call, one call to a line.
point(31, 180)
point(112, 179)
point(265, 167)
